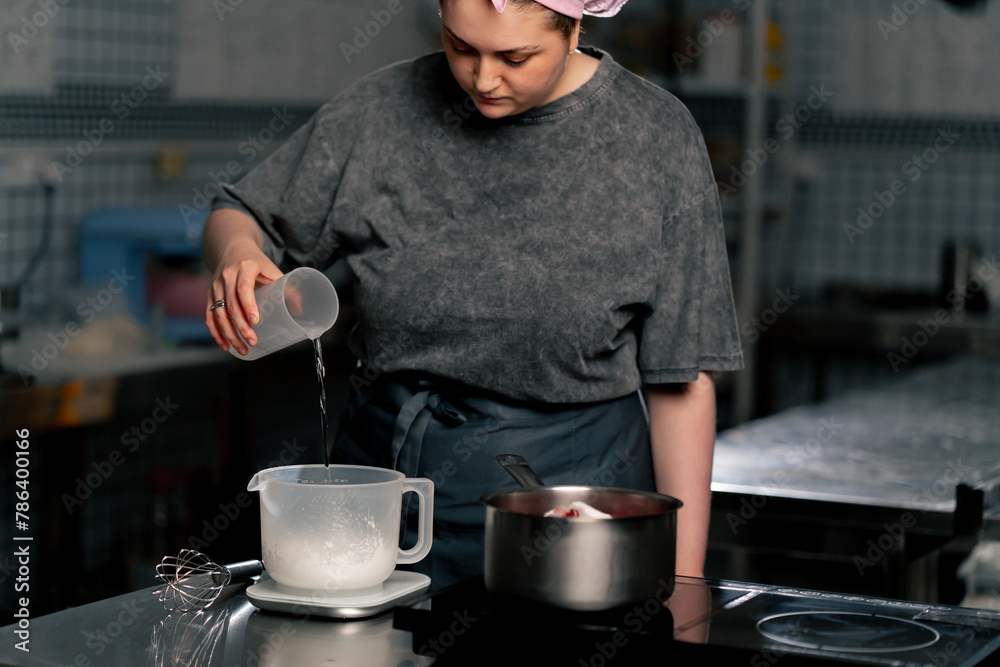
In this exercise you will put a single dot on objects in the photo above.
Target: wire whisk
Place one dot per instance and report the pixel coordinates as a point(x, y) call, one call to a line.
point(193, 581)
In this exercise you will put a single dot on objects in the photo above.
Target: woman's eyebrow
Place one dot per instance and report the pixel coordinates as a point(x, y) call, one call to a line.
point(519, 49)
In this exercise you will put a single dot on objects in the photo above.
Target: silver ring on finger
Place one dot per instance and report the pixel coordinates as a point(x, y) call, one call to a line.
point(221, 303)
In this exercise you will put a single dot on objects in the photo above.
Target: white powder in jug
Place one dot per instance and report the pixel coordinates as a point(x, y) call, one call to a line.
point(332, 564)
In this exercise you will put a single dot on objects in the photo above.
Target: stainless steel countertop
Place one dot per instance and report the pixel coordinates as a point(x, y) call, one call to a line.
point(906, 445)
point(133, 630)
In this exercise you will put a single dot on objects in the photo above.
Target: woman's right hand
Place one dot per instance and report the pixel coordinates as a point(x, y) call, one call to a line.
point(233, 251)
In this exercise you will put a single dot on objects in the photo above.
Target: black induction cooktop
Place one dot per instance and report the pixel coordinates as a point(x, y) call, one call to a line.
point(723, 621)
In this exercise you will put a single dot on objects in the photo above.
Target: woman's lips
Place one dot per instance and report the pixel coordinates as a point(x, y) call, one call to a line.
point(488, 100)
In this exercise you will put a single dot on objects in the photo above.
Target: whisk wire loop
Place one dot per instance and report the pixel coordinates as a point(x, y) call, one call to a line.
point(193, 581)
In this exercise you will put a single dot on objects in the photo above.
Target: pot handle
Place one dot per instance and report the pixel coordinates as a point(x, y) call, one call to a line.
point(424, 488)
point(519, 469)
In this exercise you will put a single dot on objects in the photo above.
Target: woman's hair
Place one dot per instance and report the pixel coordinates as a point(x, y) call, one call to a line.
point(559, 23)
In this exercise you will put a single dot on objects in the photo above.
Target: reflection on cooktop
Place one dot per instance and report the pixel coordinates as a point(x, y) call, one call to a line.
point(847, 631)
point(798, 625)
point(728, 622)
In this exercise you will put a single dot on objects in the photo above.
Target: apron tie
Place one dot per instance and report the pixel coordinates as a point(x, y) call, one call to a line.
point(411, 423)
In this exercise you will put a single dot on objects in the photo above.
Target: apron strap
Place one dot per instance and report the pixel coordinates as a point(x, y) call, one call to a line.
point(411, 423)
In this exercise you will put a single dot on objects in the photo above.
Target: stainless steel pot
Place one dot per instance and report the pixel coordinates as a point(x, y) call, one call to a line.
point(578, 563)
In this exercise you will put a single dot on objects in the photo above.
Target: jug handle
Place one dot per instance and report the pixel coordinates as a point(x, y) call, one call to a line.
point(424, 488)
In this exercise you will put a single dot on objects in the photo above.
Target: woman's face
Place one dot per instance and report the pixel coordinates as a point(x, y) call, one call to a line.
point(507, 63)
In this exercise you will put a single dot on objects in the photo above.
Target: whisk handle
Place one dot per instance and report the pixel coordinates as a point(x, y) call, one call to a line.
point(244, 570)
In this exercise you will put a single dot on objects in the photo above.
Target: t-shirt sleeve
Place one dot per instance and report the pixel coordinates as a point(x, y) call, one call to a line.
point(292, 193)
point(692, 326)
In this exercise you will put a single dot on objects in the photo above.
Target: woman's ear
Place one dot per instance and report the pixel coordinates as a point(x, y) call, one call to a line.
point(574, 37)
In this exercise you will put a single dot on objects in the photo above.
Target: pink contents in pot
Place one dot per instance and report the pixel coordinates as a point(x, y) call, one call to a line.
point(577, 508)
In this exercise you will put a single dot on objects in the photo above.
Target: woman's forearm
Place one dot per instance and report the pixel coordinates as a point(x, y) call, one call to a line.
point(682, 433)
point(224, 228)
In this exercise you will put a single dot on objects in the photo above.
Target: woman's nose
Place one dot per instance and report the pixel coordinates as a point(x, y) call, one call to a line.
point(487, 75)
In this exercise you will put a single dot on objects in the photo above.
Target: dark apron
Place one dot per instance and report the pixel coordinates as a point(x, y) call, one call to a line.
point(451, 434)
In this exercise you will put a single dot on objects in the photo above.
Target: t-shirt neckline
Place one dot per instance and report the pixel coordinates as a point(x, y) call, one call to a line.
point(562, 105)
point(595, 83)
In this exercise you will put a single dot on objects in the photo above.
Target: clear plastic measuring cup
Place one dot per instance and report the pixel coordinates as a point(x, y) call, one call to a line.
point(300, 304)
point(336, 530)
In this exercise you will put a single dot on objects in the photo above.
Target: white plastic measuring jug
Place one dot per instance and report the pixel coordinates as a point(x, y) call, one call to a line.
point(336, 530)
point(300, 304)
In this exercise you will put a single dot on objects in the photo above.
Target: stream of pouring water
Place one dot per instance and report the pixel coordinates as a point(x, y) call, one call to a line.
point(320, 375)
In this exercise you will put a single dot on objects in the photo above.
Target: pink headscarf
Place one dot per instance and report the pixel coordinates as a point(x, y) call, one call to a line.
point(575, 8)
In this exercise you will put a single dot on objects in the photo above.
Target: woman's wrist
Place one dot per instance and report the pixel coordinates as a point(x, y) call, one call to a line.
point(229, 235)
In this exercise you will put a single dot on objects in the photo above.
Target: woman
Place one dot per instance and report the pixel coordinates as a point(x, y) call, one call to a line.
point(537, 244)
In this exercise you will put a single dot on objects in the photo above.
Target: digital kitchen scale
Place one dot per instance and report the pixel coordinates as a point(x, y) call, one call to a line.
point(400, 588)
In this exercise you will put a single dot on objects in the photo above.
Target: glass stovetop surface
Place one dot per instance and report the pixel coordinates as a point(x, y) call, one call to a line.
point(850, 629)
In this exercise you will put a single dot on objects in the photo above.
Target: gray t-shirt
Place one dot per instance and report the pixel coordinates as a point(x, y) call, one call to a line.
point(566, 254)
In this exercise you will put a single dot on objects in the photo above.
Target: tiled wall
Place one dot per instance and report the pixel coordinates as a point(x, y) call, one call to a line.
point(119, 63)
point(865, 136)
point(110, 178)
point(894, 92)
point(956, 198)
point(103, 46)
point(913, 70)
point(896, 100)
point(111, 42)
